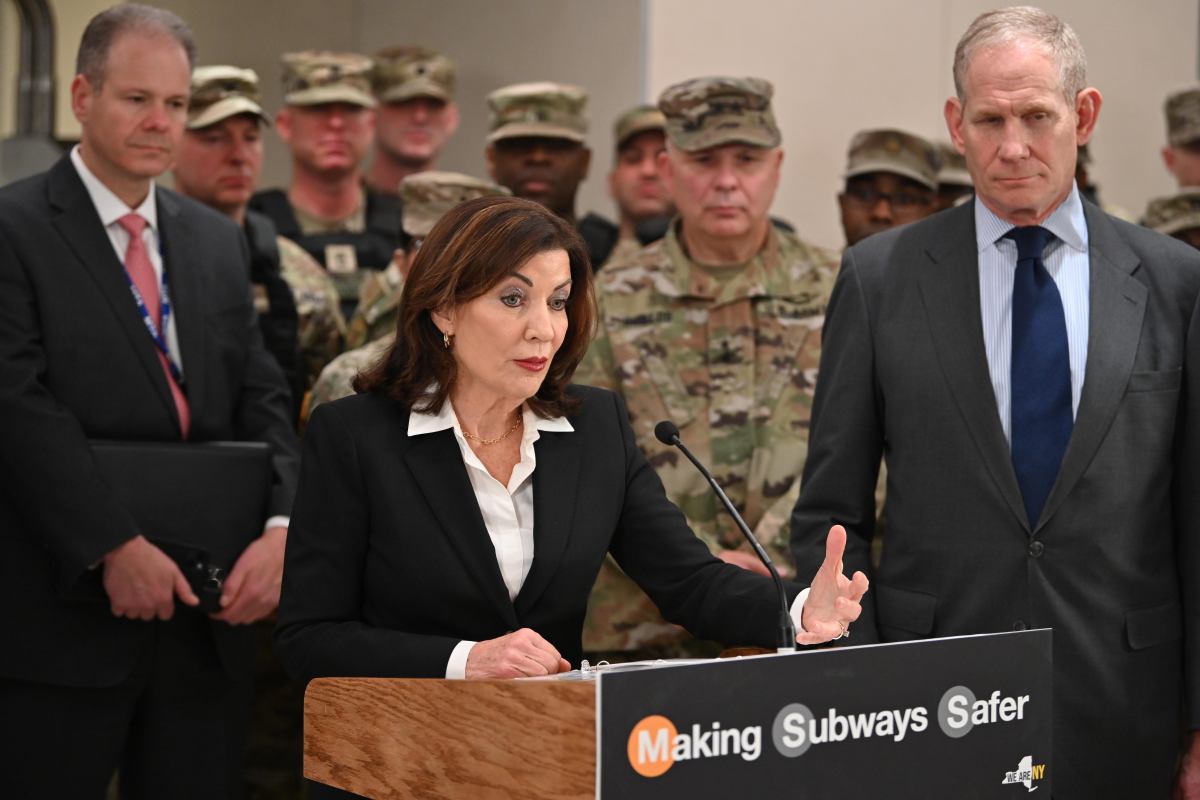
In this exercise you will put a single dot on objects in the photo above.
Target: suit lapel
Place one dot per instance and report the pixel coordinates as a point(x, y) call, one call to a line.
point(179, 249)
point(1117, 306)
point(950, 290)
point(555, 485)
point(76, 220)
point(437, 466)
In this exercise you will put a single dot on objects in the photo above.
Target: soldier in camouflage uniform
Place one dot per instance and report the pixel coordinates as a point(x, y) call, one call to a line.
point(642, 199)
point(1178, 216)
point(891, 179)
point(328, 122)
point(417, 114)
point(954, 182)
point(426, 197)
point(717, 327)
point(1181, 155)
point(219, 164)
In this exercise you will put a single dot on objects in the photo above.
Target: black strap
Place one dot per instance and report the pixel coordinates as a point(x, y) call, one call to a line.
point(600, 236)
point(275, 205)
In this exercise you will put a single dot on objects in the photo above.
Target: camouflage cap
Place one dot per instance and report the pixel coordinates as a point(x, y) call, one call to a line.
point(953, 170)
point(1173, 214)
point(888, 150)
point(706, 112)
point(220, 92)
point(426, 196)
point(313, 77)
point(1183, 116)
point(549, 110)
point(402, 73)
point(638, 120)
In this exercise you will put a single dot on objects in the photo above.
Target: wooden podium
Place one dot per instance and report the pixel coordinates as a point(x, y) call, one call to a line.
point(399, 738)
point(724, 728)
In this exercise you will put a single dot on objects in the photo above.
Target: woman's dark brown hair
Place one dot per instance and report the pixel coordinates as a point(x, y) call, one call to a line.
point(472, 248)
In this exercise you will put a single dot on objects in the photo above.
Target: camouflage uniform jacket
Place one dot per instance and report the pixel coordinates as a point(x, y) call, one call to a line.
point(336, 380)
point(625, 250)
point(733, 363)
point(320, 322)
point(378, 307)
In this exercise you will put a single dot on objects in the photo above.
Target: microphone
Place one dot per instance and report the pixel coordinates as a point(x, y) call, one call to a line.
point(667, 433)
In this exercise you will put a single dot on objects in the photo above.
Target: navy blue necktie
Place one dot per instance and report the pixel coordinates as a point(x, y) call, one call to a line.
point(1041, 372)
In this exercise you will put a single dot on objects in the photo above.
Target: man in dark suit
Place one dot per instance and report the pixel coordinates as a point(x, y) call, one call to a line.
point(125, 313)
point(1038, 402)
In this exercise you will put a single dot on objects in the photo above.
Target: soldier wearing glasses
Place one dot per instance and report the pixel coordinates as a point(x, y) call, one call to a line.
point(891, 179)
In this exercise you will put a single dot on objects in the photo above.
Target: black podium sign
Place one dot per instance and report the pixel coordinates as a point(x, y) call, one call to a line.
point(963, 717)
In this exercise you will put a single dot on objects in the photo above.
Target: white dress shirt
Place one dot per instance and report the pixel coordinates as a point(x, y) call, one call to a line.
point(1066, 260)
point(111, 208)
point(507, 510)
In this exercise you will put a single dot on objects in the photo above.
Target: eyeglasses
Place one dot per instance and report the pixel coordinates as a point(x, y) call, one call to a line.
point(901, 202)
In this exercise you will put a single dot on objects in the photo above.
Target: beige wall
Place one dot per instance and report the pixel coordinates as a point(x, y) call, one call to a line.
point(70, 18)
point(838, 68)
point(8, 67)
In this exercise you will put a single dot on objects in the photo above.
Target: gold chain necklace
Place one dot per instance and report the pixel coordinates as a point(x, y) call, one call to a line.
point(499, 438)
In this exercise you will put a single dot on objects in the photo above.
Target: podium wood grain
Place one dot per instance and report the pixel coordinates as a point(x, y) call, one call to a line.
point(399, 738)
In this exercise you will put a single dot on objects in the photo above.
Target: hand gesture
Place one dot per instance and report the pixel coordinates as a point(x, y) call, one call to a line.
point(833, 599)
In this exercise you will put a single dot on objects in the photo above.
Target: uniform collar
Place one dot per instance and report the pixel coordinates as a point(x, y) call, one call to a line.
point(752, 281)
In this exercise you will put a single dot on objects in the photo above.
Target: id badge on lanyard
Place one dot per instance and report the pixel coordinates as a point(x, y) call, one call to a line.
point(157, 332)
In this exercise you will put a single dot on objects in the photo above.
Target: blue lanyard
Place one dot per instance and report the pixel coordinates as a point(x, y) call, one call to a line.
point(157, 334)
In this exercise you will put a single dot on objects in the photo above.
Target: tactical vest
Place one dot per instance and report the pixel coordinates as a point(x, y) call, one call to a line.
point(275, 303)
point(600, 236)
point(373, 247)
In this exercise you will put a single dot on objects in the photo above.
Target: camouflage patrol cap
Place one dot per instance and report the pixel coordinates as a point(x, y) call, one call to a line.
point(638, 120)
point(313, 77)
point(402, 73)
point(549, 110)
point(888, 150)
point(706, 112)
point(1173, 214)
point(1183, 116)
point(220, 92)
point(426, 196)
point(953, 170)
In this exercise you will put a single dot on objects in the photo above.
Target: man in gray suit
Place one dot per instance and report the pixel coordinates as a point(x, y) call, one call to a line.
point(1030, 369)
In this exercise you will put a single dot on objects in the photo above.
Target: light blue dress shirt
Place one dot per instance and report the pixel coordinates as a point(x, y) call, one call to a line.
point(1066, 260)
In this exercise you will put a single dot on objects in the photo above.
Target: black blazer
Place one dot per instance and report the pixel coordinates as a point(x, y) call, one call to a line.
point(1113, 565)
point(389, 564)
point(76, 364)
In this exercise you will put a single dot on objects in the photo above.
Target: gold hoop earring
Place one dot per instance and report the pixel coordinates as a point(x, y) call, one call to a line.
point(447, 340)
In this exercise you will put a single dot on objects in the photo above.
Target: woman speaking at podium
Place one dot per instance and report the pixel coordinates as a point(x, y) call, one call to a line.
point(452, 516)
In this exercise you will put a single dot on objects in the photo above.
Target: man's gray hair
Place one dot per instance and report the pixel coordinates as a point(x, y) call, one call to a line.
point(1024, 24)
point(104, 28)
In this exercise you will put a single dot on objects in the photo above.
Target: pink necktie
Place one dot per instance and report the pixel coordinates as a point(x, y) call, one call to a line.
point(141, 272)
